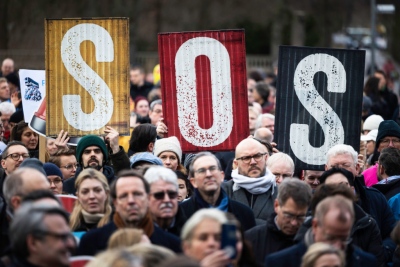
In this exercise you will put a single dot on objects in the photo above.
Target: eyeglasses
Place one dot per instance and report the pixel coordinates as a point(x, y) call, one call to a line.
point(257, 157)
point(342, 165)
point(290, 217)
point(70, 166)
point(56, 181)
point(161, 195)
point(16, 156)
point(203, 171)
point(386, 142)
point(64, 237)
point(333, 239)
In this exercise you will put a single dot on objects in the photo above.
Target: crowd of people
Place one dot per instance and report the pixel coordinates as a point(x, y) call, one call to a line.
point(141, 201)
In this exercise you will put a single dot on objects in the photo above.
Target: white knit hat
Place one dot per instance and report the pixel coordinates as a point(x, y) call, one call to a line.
point(372, 122)
point(168, 144)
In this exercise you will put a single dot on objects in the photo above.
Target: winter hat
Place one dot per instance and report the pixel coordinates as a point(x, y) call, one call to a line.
point(145, 157)
point(372, 122)
point(33, 163)
point(168, 144)
point(52, 169)
point(90, 140)
point(371, 136)
point(387, 128)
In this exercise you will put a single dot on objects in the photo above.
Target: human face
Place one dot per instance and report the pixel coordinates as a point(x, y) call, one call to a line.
point(281, 170)
point(253, 169)
point(7, 67)
point(132, 200)
point(29, 138)
point(337, 178)
point(5, 119)
point(333, 229)
point(252, 121)
point(268, 123)
point(312, 178)
point(4, 91)
point(51, 146)
point(344, 161)
point(207, 183)
point(136, 77)
point(56, 246)
point(156, 114)
point(328, 260)
point(10, 165)
point(167, 207)
point(92, 157)
point(370, 147)
point(169, 159)
point(92, 196)
point(56, 184)
point(389, 141)
point(182, 190)
point(142, 108)
point(206, 239)
point(68, 165)
point(289, 216)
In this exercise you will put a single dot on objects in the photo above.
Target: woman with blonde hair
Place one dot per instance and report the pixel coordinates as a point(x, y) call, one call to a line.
point(92, 208)
point(126, 237)
point(323, 255)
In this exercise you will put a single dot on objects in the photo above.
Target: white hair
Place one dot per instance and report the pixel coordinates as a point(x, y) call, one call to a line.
point(279, 157)
point(160, 173)
point(198, 217)
point(262, 116)
point(340, 150)
point(7, 108)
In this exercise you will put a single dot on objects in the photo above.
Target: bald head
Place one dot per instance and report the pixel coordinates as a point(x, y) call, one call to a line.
point(264, 134)
point(249, 144)
point(250, 158)
point(7, 66)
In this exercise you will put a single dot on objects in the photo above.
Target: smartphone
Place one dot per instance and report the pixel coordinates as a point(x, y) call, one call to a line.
point(229, 240)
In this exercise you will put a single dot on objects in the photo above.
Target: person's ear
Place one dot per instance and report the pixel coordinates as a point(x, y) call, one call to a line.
point(3, 164)
point(31, 243)
point(234, 164)
point(15, 202)
point(276, 205)
point(150, 147)
point(193, 182)
point(381, 169)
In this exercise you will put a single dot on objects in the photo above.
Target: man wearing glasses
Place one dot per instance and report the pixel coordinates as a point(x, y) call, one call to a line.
point(206, 176)
point(163, 201)
point(252, 184)
point(332, 224)
point(14, 154)
point(65, 160)
point(130, 196)
point(278, 233)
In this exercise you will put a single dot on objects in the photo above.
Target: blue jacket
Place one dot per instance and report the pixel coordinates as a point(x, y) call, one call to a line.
point(96, 240)
point(292, 257)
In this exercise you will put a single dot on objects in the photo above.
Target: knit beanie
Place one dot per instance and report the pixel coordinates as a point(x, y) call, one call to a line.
point(168, 144)
point(90, 140)
point(387, 128)
point(33, 163)
point(372, 122)
point(52, 169)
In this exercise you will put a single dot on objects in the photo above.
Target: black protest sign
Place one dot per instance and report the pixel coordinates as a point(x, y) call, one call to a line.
point(318, 102)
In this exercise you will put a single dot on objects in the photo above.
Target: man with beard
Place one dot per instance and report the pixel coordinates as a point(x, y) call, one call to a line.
point(252, 184)
point(163, 201)
point(91, 152)
point(206, 176)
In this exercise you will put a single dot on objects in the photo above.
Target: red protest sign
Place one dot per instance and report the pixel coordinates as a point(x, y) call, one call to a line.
point(204, 90)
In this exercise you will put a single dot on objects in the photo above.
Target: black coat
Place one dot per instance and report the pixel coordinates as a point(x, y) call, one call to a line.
point(292, 257)
point(96, 240)
point(242, 213)
point(389, 190)
point(266, 239)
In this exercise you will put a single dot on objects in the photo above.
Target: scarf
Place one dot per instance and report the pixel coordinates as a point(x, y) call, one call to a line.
point(91, 218)
point(222, 202)
point(146, 224)
point(255, 186)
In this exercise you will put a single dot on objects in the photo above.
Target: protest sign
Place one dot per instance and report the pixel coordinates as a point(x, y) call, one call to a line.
point(203, 83)
point(319, 100)
point(87, 67)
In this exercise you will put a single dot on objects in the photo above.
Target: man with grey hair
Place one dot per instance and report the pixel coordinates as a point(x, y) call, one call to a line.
point(206, 176)
point(281, 165)
point(266, 120)
point(41, 236)
point(156, 112)
point(264, 134)
point(6, 110)
point(371, 200)
point(332, 224)
point(252, 184)
point(278, 233)
point(163, 199)
point(16, 186)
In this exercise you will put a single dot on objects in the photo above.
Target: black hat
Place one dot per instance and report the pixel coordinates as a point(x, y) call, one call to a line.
point(387, 128)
